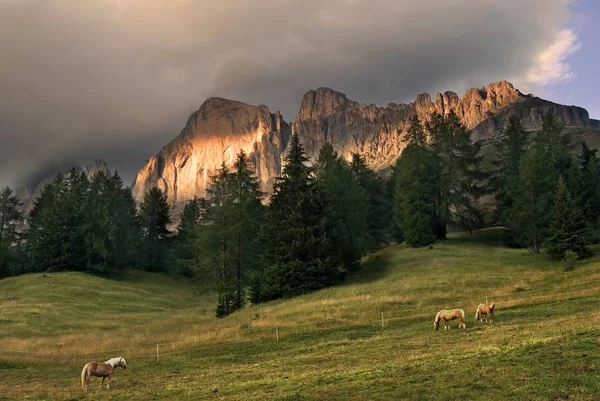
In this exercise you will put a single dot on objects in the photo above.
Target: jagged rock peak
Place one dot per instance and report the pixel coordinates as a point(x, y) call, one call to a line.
point(215, 134)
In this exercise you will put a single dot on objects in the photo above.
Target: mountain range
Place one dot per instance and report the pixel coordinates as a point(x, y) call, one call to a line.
point(215, 133)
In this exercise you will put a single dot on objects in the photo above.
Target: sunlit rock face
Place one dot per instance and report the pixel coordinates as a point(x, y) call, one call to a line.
point(221, 128)
point(214, 135)
point(376, 132)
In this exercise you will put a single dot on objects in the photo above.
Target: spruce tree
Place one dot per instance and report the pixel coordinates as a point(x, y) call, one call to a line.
point(379, 207)
point(457, 174)
point(568, 228)
point(533, 194)
point(228, 243)
point(300, 248)
point(154, 221)
point(414, 207)
point(347, 204)
point(10, 219)
point(510, 148)
point(186, 241)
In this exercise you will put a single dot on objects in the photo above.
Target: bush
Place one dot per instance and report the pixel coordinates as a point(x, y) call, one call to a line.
point(570, 259)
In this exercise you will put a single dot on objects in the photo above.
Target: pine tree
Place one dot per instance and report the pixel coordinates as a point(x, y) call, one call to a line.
point(568, 228)
point(348, 204)
point(457, 173)
point(533, 193)
point(510, 148)
point(229, 243)
point(123, 211)
point(154, 219)
point(379, 208)
point(584, 184)
point(300, 248)
point(57, 229)
point(10, 218)
point(414, 207)
point(186, 241)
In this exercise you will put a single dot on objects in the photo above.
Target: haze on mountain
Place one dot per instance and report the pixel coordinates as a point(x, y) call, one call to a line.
point(116, 79)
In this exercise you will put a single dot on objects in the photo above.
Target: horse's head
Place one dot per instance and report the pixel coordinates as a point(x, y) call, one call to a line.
point(122, 363)
point(436, 325)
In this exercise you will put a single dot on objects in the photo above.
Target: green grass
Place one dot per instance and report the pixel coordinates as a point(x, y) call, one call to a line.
point(543, 345)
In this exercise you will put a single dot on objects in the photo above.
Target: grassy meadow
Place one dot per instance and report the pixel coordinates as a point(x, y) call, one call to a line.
point(333, 344)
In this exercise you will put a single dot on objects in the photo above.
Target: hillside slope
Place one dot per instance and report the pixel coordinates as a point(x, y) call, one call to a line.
point(332, 345)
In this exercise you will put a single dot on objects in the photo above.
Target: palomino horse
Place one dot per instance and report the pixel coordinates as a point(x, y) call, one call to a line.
point(447, 315)
point(104, 370)
point(487, 309)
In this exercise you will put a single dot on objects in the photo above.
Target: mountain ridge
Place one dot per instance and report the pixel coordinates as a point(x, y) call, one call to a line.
point(221, 127)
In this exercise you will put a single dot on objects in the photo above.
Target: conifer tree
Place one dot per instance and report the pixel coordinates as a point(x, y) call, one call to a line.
point(379, 208)
point(348, 204)
point(510, 148)
point(300, 249)
point(229, 243)
point(186, 241)
point(457, 174)
point(154, 220)
point(10, 218)
point(528, 218)
point(568, 228)
point(414, 207)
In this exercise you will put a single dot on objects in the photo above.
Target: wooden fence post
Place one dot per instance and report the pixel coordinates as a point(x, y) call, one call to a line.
point(157, 357)
point(277, 333)
point(382, 324)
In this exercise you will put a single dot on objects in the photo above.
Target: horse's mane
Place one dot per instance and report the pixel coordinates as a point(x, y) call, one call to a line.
point(114, 361)
point(437, 317)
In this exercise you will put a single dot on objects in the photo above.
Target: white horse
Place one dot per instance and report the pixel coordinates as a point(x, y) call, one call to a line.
point(104, 370)
point(448, 315)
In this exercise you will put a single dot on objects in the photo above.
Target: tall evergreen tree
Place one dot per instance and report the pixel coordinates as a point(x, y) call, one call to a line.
point(229, 242)
point(414, 207)
point(186, 241)
point(457, 173)
point(348, 204)
point(123, 210)
point(568, 228)
point(584, 184)
point(379, 207)
point(154, 221)
point(510, 148)
point(528, 218)
point(10, 218)
point(57, 231)
point(301, 253)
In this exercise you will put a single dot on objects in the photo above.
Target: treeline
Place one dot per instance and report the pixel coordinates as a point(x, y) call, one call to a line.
point(83, 223)
point(319, 222)
point(321, 218)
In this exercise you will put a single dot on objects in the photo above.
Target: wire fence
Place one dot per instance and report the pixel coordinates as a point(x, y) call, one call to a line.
point(280, 331)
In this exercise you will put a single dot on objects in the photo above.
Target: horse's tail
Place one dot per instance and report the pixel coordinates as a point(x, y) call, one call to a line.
point(477, 312)
point(84, 374)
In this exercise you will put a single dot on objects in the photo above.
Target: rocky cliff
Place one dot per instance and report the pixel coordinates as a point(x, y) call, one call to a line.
point(376, 132)
point(221, 128)
point(214, 135)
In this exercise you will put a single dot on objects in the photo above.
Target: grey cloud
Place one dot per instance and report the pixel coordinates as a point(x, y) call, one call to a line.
point(117, 78)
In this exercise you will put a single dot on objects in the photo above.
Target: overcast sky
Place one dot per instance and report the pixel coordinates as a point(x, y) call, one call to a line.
point(117, 79)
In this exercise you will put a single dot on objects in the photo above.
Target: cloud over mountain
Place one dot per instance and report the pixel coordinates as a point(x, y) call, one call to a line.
point(117, 78)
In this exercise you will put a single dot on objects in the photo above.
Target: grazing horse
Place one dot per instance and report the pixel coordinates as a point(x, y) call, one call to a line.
point(447, 315)
point(104, 370)
point(487, 309)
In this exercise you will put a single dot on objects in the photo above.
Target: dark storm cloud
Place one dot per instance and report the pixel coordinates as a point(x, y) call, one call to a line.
point(117, 79)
